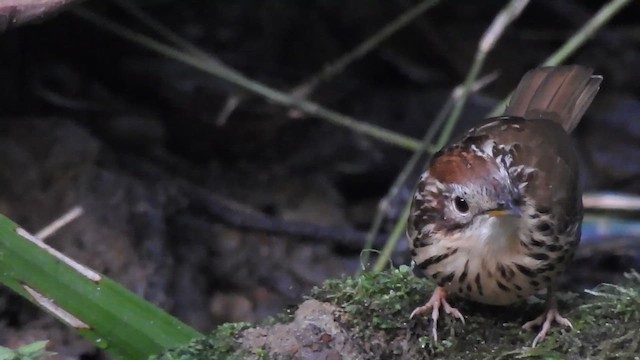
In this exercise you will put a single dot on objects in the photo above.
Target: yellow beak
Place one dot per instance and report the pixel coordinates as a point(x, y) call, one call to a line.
point(499, 213)
point(507, 209)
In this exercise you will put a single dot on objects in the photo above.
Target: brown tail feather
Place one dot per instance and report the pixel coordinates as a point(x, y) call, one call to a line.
point(560, 93)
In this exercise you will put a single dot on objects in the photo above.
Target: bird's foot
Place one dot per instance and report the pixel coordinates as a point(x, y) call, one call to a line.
point(550, 315)
point(438, 299)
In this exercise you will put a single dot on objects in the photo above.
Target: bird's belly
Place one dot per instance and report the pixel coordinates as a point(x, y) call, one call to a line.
point(491, 262)
point(487, 281)
point(492, 293)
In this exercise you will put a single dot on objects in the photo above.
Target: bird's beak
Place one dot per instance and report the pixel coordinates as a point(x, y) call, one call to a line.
point(508, 208)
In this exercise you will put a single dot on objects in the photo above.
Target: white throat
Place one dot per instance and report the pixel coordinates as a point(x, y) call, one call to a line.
point(493, 235)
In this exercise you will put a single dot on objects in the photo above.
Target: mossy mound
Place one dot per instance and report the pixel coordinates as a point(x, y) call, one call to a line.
point(366, 317)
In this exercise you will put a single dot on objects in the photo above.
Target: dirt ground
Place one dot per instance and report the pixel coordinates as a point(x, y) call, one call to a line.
point(238, 221)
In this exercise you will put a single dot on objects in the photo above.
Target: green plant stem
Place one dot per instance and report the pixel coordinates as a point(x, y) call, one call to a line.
point(391, 244)
point(222, 71)
point(337, 66)
point(507, 15)
point(134, 10)
point(400, 180)
point(602, 17)
point(459, 105)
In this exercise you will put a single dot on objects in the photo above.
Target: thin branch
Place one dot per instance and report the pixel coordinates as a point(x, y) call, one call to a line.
point(222, 71)
point(306, 87)
point(233, 100)
point(230, 105)
point(611, 201)
point(505, 17)
point(59, 223)
point(134, 10)
point(396, 234)
point(601, 18)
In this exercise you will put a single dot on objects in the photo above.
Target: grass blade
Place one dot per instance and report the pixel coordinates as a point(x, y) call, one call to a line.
point(112, 317)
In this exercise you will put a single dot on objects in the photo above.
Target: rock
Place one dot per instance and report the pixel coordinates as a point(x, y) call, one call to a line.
point(313, 334)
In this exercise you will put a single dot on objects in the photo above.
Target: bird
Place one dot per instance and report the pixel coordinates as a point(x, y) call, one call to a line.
point(496, 216)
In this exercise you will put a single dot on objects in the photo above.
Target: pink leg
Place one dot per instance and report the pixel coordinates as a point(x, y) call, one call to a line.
point(550, 315)
point(437, 300)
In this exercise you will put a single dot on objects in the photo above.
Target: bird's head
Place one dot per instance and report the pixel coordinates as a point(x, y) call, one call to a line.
point(464, 187)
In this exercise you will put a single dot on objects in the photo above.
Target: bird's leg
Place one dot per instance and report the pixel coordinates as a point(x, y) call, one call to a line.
point(437, 300)
point(549, 315)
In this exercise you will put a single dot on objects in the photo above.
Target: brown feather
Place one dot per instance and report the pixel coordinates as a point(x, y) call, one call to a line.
point(561, 94)
point(458, 166)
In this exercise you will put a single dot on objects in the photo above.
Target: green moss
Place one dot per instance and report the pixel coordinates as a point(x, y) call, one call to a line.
point(221, 344)
point(376, 307)
point(378, 304)
point(34, 351)
point(605, 326)
point(376, 301)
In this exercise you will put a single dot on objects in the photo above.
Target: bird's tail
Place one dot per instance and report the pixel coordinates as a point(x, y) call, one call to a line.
point(558, 93)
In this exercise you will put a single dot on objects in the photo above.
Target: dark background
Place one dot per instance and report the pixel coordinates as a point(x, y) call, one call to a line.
point(237, 222)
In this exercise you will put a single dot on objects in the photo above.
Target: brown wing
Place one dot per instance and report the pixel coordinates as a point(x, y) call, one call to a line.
point(560, 93)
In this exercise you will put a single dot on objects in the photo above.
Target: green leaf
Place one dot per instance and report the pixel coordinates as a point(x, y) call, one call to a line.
point(34, 351)
point(114, 318)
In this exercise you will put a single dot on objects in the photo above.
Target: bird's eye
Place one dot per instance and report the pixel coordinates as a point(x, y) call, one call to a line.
point(461, 204)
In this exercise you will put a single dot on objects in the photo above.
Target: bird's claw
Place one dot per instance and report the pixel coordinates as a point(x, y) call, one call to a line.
point(546, 319)
point(452, 311)
point(437, 300)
